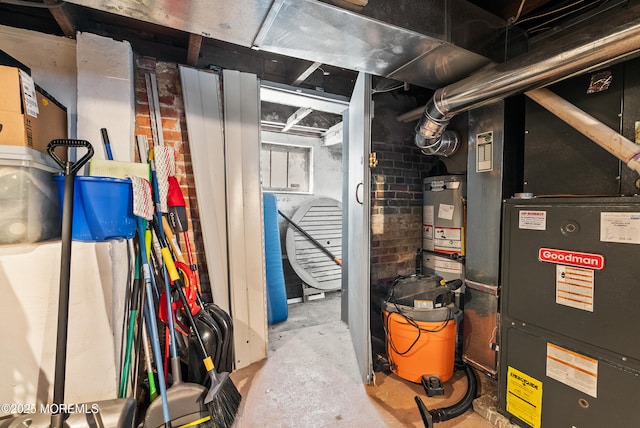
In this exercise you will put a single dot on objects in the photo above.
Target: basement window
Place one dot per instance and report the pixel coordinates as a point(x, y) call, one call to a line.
point(286, 168)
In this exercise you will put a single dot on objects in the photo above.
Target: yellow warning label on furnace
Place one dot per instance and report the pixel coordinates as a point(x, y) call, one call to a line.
point(524, 397)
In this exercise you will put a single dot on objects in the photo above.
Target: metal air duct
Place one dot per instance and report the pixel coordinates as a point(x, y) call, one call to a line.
point(607, 41)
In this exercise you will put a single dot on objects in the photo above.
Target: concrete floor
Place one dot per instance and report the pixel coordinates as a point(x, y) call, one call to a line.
point(311, 379)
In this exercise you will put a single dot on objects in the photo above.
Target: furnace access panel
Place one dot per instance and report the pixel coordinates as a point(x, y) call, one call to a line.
point(570, 323)
point(572, 266)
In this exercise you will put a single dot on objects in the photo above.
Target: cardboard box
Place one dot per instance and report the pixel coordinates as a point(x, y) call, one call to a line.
point(21, 123)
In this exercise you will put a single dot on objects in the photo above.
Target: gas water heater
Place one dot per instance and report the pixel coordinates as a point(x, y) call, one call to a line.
point(443, 222)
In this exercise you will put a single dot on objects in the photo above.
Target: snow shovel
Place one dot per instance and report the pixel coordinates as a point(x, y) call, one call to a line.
point(179, 223)
point(118, 413)
point(215, 332)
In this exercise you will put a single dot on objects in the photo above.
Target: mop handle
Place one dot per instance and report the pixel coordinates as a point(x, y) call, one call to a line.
point(152, 326)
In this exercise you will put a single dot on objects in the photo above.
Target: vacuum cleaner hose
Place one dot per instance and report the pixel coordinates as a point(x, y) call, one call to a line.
point(429, 417)
point(446, 413)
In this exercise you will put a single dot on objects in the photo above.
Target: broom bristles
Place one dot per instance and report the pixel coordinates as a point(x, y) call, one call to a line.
point(223, 402)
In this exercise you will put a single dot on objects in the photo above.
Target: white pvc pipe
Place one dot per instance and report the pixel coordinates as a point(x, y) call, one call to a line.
point(590, 127)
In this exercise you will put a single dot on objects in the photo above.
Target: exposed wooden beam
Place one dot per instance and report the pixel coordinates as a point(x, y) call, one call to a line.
point(508, 9)
point(296, 117)
point(282, 94)
point(528, 6)
point(306, 73)
point(193, 52)
point(333, 135)
point(60, 12)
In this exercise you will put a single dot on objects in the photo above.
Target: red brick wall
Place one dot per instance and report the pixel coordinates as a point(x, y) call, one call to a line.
point(396, 192)
point(175, 135)
point(396, 189)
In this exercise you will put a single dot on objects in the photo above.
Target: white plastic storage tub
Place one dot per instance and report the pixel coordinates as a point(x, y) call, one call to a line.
point(28, 196)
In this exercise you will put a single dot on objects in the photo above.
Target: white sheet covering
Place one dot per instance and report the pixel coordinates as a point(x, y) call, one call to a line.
point(29, 283)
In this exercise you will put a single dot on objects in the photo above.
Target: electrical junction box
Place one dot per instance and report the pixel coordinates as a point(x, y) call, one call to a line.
point(570, 344)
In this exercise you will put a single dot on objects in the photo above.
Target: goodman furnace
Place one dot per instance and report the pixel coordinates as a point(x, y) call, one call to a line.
point(570, 323)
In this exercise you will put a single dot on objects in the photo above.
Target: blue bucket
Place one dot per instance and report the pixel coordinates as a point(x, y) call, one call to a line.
point(102, 208)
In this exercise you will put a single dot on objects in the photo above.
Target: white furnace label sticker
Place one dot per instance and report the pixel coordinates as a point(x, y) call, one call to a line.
point(445, 211)
point(427, 214)
point(532, 220)
point(623, 227)
point(572, 369)
point(574, 287)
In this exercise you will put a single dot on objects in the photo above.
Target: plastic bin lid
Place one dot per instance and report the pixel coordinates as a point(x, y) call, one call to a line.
point(27, 157)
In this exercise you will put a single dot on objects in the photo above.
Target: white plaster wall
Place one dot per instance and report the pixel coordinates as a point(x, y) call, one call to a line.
point(106, 97)
point(52, 60)
point(327, 174)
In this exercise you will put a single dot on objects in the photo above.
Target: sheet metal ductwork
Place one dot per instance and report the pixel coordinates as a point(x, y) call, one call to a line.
point(402, 40)
point(610, 39)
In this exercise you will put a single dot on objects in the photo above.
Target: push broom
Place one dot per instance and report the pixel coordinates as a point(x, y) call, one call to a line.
point(223, 398)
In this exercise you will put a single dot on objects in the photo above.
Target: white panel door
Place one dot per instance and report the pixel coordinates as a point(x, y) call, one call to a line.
point(357, 199)
point(226, 164)
point(248, 290)
point(202, 101)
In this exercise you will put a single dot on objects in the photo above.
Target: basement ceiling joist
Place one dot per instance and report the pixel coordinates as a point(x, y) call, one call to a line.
point(193, 52)
point(333, 135)
point(62, 15)
point(325, 110)
point(306, 73)
point(298, 97)
point(296, 118)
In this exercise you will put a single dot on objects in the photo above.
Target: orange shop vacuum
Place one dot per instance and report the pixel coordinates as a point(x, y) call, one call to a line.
point(420, 322)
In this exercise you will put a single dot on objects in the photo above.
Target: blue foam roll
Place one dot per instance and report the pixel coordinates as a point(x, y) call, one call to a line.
point(276, 292)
